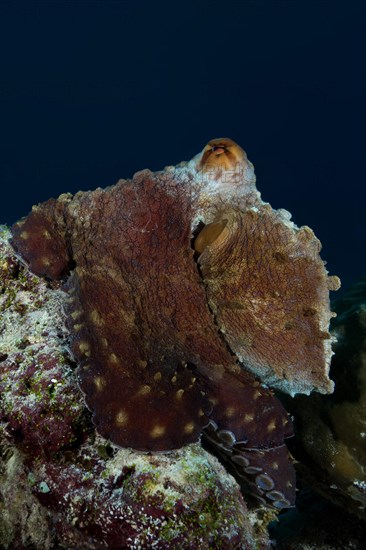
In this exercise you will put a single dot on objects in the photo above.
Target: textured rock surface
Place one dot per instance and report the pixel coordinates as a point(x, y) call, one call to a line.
point(331, 430)
point(61, 485)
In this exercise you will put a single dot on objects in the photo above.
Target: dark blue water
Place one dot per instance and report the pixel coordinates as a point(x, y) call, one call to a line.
point(93, 91)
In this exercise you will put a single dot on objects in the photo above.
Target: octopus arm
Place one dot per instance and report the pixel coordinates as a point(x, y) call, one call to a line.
point(138, 316)
point(248, 431)
point(142, 393)
point(269, 291)
point(40, 239)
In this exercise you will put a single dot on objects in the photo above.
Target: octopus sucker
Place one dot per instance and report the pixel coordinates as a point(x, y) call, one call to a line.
point(177, 337)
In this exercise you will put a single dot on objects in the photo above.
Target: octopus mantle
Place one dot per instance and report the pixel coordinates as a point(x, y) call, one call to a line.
point(187, 297)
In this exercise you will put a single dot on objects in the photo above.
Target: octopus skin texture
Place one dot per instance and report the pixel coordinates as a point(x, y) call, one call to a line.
point(187, 297)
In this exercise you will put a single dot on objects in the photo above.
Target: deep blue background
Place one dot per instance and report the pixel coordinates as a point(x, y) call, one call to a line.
point(92, 91)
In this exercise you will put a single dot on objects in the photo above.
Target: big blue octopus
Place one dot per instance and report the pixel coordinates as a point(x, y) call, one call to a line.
point(189, 300)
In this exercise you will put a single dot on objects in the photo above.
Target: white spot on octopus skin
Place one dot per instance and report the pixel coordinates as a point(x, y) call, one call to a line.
point(76, 314)
point(84, 348)
point(113, 359)
point(179, 394)
point(256, 394)
point(121, 418)
point(157, 431)
point(230, 411)
point(104, 342)
point(271, 426)
point(96, 318)
point(99, 383)
point(144, 390)
point(188, 428)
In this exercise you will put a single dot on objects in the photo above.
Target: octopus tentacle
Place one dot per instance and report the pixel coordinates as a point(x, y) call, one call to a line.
point(40, 239)
point(248, 426)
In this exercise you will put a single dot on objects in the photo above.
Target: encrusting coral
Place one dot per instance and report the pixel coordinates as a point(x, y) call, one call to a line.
point(186, 297)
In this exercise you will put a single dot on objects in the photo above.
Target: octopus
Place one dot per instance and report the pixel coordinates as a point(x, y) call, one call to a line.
point(189, 301)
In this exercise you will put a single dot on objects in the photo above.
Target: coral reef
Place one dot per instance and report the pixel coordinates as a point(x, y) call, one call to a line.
point(331, 430)
point(63, 486)
point(160, 329)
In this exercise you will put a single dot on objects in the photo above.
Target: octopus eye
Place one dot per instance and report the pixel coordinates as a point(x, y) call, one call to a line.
point(209, 234)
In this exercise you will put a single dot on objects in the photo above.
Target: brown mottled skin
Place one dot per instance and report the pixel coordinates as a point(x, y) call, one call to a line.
point(157, 333)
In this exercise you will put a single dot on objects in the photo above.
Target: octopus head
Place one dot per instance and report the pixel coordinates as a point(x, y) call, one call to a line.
point(222, 153)
point(224, 178)
point(222, 160)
